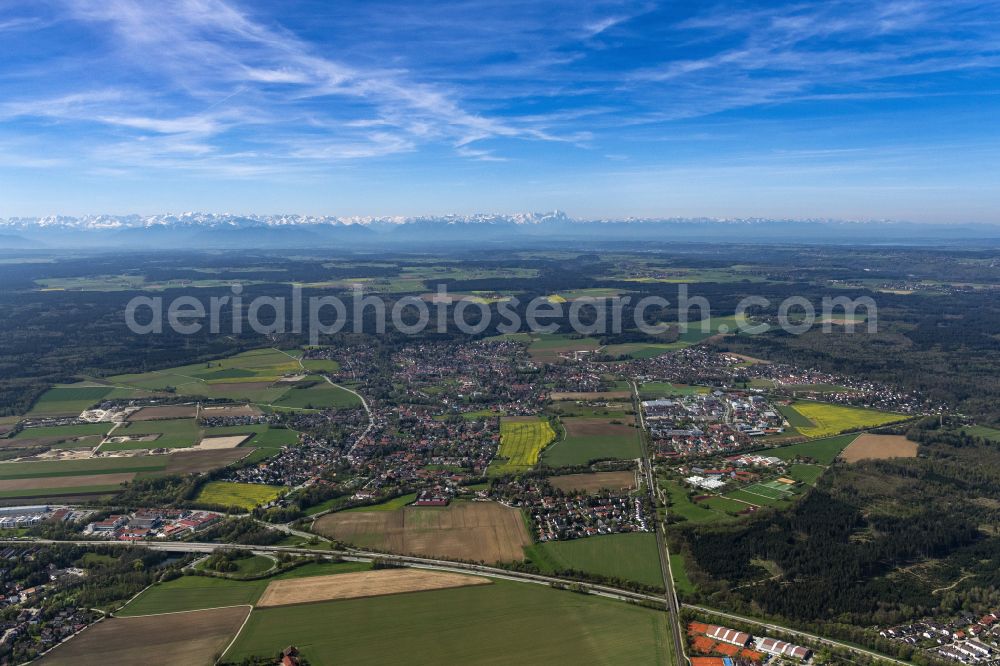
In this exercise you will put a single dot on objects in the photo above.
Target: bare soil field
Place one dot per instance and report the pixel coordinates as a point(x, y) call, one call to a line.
point(591, 395)
point(478, 531)
point(204, 461)
point(361, 584)
point(227, 411)
point(81, 481)
point(591, 483)
point(227, 442)
point(879, 447)
point(581, 427)
point(195, 639)
point(165, 412)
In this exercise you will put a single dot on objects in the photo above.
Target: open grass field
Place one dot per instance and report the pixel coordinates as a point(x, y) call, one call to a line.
point(68, 400)
point(503, 623)
point(262, 435)
point(239, 495)
point(985, 432)
point(521, 441)
point(320, 396)
point(823, 451)
point(807, 474)
point(590, 439)
point(684, 509)
point(247, 376)
point(287, 592)
point(166, 434)
point(546, 348)
point(631, 556)
point(250, 566)
point(194, 639)
point(594, 482)
point(388, 505)
point(879, 447)
point(678, 567)
point(478, 531)
point(825, 419)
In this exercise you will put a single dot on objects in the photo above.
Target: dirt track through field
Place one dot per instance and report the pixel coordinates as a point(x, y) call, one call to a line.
point(879, 447)
point(193, 639)
point(361, 584)
point(477, 531)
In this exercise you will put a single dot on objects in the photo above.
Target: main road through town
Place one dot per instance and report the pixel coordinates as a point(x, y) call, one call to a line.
point(670, 594)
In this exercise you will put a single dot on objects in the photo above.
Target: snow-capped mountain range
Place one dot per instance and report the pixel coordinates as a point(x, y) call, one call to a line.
point(193, 230)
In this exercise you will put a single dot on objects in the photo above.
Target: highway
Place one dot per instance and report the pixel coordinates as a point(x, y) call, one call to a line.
point(670, 595)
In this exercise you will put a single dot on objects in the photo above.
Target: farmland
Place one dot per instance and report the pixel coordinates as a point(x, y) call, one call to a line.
point(239, 495)
point(820, 419)
point(521, 441)
point(377, 583)
point(189, 593)
point(627, 556)
point(465, 624)
point(590, 439)
point(879, 447)
point(594, 482)
point(188, 638)
point(68, 400)
point(654, 390)
point(478, 531)
point(165, 434)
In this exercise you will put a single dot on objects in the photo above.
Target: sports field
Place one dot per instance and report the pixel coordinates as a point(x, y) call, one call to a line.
point(477, 531)
point(239, 495)
point(521, 441)
point(502, 623)
point(589, 439)
point(821, 419)
point(631, 556)
point(771, 493)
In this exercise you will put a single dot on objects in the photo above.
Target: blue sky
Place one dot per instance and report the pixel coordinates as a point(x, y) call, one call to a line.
point(602, 109)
